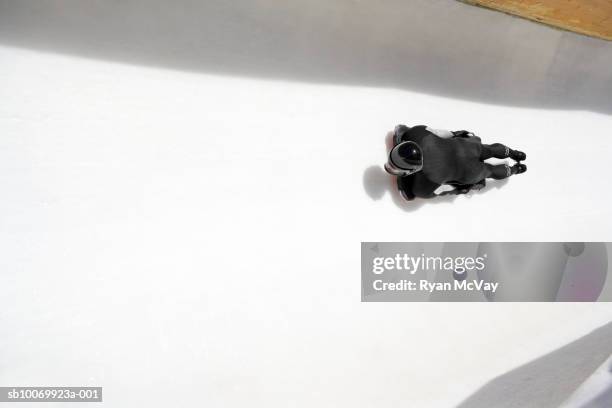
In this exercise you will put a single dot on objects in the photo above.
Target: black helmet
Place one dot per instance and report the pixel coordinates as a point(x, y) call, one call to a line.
point(406, 158)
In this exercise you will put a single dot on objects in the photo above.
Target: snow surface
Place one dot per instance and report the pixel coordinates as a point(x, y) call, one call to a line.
point(185, 238)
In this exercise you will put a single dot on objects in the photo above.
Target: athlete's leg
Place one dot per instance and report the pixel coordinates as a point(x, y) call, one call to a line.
point(500, 151)
point(496, 150)
point(502, 171)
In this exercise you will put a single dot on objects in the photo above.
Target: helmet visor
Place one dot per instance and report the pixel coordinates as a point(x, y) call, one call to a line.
point(405, 158)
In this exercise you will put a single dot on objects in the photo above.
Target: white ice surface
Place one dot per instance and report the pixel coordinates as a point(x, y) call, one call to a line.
point(183, 238)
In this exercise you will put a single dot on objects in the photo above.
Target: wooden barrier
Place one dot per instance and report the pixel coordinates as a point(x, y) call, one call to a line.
point(590, 17)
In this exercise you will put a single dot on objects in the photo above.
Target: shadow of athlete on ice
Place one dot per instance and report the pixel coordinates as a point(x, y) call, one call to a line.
point(438, 164)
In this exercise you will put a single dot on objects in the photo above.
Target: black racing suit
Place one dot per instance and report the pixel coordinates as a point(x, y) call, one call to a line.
point(457, 161)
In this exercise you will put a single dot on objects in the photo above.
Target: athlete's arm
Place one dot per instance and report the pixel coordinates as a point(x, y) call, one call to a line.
point(462, 133)
point(444, 134)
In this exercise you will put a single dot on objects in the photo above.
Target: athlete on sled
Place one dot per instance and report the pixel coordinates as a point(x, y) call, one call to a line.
point(423, 159)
